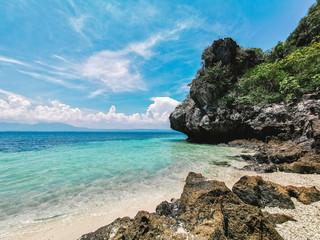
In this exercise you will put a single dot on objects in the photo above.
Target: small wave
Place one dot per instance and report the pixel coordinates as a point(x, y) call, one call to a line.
point(49, 218)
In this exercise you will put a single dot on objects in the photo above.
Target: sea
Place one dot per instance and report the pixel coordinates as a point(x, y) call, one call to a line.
point(54, 175)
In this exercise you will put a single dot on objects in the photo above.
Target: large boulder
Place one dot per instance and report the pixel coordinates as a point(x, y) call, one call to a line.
point(279, 156)
point(206, 210)
point(255, 191)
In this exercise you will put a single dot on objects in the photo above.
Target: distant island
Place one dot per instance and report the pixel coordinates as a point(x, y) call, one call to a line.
point(62, 127)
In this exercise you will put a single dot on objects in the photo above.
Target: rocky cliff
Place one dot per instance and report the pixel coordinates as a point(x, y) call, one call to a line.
point(199, 116)
point(296, 120)
point(216, 111)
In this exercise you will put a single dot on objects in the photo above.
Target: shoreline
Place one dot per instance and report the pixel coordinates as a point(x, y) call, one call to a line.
point(75, 226)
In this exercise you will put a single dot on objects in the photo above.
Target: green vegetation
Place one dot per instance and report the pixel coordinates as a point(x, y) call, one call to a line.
point(281, 80)
point(218, 79)
point(287, 71)
point(307, 31)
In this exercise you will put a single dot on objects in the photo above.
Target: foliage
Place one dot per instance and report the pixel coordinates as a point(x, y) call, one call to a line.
point(289, 87)
point(230, 73)
point(308, 29)
point(216, 80)
point(281, 80)
point(280, 51)
point(248, 58)
point(223, 63)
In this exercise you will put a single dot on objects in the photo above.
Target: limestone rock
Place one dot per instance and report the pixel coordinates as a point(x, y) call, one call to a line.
point(258, 192)
point(278, 218)
point(309, 164)
point(279, 156)
point(295, 121)
point(255, 191)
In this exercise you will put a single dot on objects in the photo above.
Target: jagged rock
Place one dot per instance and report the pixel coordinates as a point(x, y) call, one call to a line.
point(306, 195)
point(210, 115)
point(224, 50)
point(308, 164)
point(274, 152)
point(204, 119)
point(262, 168)
point(278, 153)
point(278, 218)
point(258, 192)
point(279, 156)
point(206, 210)
point(214, 212)
point(144, 225)
point(199, 116)
point(169, 209)
point(296, 121)
point(255, 191)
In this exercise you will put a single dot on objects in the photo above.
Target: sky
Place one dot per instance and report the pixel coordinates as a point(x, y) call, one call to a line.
point(126, 64)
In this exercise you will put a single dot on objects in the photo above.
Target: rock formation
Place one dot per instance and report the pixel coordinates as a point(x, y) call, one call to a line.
point(203, 119)
point(258, 192)
point(200, 117)
point(210, 113)
point(278, 218)
point(209, 210)
point(279, 156)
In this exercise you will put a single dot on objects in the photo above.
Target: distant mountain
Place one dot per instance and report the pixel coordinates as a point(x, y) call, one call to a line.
point(61, 127)
point(39, 127)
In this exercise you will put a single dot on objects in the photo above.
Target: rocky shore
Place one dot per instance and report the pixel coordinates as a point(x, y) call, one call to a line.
point(286, 135)
point(208, 209)
point(279, 156)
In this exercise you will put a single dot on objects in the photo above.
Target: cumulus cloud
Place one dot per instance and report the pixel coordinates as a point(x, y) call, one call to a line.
point(16, 108)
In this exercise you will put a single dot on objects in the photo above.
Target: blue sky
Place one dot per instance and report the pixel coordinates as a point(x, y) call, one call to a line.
point(120, 64)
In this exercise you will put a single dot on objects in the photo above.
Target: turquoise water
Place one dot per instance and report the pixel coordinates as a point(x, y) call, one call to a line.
point(50, 175)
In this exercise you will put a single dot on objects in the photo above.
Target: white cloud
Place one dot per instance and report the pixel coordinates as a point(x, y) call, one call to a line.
point(106, 70)
point(161, 108)
point(77, 23)
point(52, 79)
point(113, 71)
point(16, 108)
point(144, 48)
point(96, 93)
point(11, 60)
point(135, 13)
point(116, 70)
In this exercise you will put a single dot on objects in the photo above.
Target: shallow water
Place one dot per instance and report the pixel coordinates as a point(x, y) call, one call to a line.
point(44, 176)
